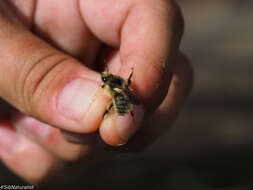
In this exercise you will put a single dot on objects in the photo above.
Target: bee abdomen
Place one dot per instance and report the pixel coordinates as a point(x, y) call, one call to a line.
point(122, 104)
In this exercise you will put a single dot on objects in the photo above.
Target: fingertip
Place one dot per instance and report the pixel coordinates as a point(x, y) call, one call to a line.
point(116, 130)
point(108, 130)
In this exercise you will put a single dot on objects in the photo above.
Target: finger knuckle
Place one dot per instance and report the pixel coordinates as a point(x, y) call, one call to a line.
point(184, 80)
point(37, 78)
point(187, 72)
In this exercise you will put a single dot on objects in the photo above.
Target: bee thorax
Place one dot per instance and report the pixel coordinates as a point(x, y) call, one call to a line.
point(108, 92)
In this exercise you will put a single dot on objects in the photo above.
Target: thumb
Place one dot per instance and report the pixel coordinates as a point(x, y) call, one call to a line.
point(46, 83)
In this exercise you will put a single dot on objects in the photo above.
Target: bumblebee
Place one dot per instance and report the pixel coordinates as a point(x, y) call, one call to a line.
point(121, 93)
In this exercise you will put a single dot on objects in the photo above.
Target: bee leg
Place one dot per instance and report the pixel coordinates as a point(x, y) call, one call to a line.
point(108, 109)
point(132, 114)
point(130, 76)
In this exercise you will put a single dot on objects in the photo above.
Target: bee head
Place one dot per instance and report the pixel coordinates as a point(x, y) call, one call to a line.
point(106, 76)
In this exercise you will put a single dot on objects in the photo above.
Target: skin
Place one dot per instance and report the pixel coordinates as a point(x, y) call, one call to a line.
point(50, 54)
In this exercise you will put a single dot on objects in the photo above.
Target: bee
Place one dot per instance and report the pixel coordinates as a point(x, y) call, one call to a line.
point(121, 93)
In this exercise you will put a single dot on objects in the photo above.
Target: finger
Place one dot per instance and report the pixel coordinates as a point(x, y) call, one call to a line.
point(48, 137)
point(116, 130)
point(52, 140)
point(45, 83)
point(162, 119)
point(148, 34)
point(66, 30)
point(22, 156)
point(151, 49)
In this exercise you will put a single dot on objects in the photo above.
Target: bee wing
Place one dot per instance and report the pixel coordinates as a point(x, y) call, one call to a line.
point(118, 90)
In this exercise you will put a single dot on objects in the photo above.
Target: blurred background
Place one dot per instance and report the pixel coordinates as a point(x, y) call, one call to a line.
point(210, 147)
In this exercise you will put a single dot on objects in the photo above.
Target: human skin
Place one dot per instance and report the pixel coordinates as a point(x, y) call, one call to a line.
point(50, 53)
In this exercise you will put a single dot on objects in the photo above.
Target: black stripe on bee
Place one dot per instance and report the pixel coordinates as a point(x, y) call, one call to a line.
point(122, 103)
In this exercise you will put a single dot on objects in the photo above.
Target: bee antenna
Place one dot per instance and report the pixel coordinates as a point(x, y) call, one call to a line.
point(132, 114)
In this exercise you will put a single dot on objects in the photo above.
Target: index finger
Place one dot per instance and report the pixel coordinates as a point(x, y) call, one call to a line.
point(150, 39)
point(147, 34)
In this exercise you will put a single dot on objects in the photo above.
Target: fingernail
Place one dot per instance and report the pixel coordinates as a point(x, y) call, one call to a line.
point(128, 124)
point(76, 97)
point(8, 138)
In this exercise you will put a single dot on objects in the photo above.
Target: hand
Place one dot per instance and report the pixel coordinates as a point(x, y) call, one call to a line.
point(50, 51)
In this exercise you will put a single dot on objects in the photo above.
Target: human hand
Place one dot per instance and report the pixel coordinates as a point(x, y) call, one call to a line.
point(48, 74)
